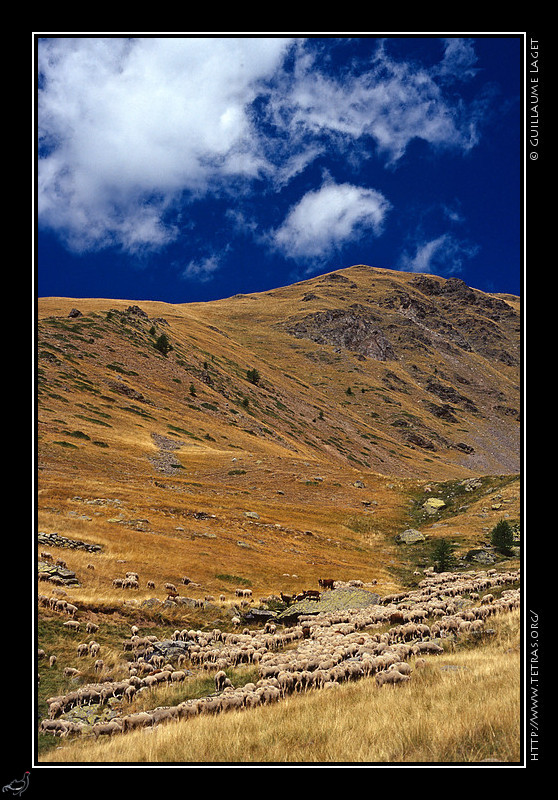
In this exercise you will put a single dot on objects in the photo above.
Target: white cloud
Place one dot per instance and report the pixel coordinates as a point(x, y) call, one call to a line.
point(459, 58)
point(329, 217)
point(131, 127)
point(202, 270)
point(442, 255)
point(126, 126)
point(392, 103)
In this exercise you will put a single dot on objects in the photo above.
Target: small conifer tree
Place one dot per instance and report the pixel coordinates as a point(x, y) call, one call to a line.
point(442, 555)
point(501, 537)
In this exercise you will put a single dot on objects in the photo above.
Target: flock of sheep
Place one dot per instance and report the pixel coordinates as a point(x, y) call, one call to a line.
point(320, 651)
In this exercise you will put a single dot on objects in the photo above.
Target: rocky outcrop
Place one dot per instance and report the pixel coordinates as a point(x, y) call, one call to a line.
point(55, 540)
point(355, 329)
point(56, 574)
point(122, 388)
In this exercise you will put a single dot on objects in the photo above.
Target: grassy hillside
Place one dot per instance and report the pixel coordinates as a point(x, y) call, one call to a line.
point(264, 442)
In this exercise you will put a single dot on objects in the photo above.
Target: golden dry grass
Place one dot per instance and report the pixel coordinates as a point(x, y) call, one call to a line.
point(276, 449)
point(462, 707)
point(277, 458)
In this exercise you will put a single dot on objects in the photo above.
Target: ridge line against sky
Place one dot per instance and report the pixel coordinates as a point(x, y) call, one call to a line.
point(193, 168)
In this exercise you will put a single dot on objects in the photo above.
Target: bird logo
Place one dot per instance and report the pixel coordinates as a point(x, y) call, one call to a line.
point(17, 787)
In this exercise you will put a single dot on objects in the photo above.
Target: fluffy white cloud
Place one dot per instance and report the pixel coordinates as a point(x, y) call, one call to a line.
point(131, 129)
point(126, 126)
point(329, 217)
point(442, 255)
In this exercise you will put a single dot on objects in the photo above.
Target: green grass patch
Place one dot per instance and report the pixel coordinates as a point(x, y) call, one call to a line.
point(233, 579)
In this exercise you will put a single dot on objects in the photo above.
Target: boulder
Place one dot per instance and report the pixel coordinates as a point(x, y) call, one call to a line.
point(433, 504)
point(481, 556)
point(331, 601)
point(259, 615)
point(410, 536)
point(171, 649)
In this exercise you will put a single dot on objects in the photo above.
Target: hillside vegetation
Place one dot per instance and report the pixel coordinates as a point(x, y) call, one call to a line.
point(264, 442)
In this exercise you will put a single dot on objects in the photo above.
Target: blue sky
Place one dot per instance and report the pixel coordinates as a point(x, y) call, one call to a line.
point(187, 169)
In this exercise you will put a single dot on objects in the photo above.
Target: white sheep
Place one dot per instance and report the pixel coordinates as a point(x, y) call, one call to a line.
point(392, 677)
point(71, 610)
point(220, 678)
point(107, 728)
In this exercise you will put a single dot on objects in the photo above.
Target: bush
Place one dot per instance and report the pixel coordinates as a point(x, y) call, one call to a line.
point(163, 345)
point(253, 376)
point(501, 537)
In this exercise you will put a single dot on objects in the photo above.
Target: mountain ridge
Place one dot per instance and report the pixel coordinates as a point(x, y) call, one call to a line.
point(427, 364)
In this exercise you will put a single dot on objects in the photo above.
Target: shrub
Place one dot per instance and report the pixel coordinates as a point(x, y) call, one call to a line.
point(253, 376)
point(163, 345)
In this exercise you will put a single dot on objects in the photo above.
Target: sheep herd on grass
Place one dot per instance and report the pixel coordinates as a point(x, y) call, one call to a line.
point(386, 642)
